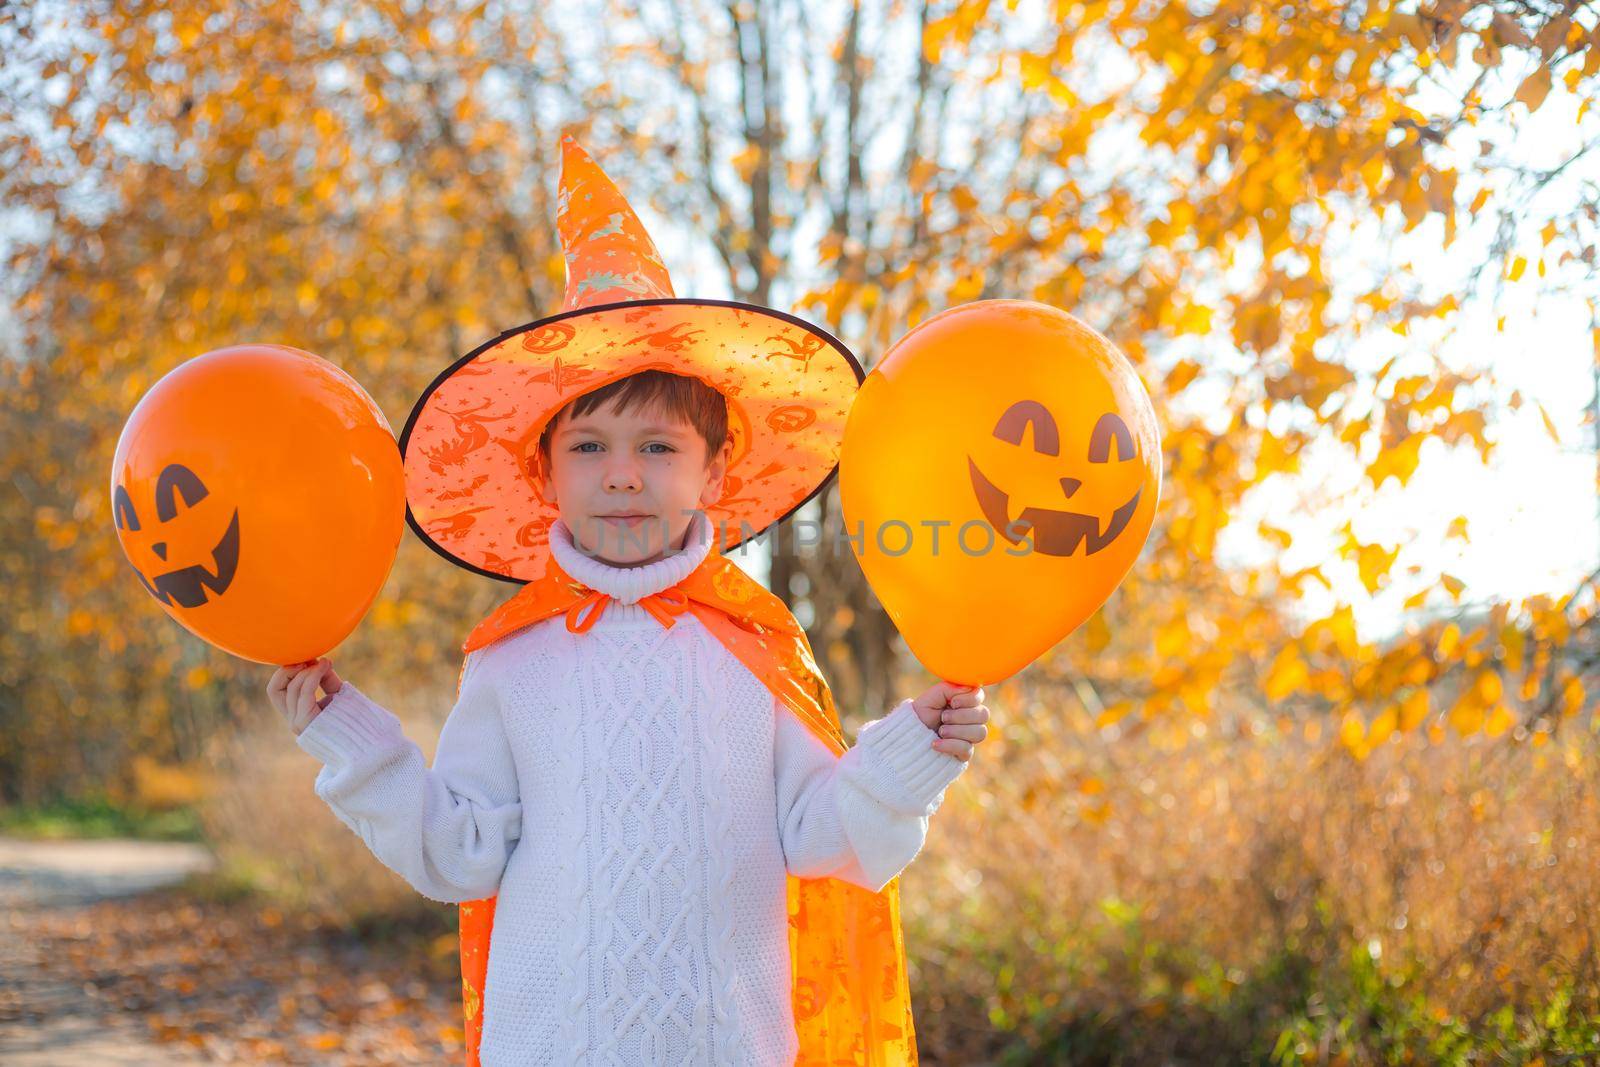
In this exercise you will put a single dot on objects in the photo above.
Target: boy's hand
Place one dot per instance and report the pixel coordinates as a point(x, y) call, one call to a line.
point(293, 691)
point(957, 714)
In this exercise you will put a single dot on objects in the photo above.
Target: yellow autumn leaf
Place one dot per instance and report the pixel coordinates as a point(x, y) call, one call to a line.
point(744, 161)
point(1352, 730)
point(1413, 710)
point(1572, 694)
point(1398, 462)
point(1549, 424)
point(1513, 644)
point(1383, 726)
point(1035, 69)
point(1113, 713)
point(1195, 319)
point(1181, 374)
point(1287, 674)
point(1534, 88)
point(1466, 717)
point(1373, 563)
point(1500, 720)
point(1173, 638)
point(1282, 538)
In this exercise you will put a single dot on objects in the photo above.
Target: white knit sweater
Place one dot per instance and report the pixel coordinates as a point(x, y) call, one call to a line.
point(635, 796)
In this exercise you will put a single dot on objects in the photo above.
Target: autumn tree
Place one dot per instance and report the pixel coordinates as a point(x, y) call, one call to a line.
point(1220, 188)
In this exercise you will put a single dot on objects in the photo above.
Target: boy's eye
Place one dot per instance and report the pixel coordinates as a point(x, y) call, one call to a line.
point(583, 446)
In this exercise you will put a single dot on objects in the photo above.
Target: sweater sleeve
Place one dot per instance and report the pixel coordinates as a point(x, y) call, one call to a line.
point(861, 817)
point(448, 830)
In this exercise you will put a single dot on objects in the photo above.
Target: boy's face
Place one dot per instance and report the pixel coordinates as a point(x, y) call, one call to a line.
point(605, 467)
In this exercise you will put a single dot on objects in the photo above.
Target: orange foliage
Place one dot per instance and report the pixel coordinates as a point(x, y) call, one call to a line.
point(371, 190)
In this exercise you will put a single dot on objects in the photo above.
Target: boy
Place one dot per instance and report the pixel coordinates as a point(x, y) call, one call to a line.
point(632, 777)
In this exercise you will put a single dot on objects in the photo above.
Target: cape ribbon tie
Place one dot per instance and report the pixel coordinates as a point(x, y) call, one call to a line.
point(666, 605)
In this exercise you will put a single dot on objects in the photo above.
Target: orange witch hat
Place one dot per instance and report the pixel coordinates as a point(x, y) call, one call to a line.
point(848, 984)
point(470, 446)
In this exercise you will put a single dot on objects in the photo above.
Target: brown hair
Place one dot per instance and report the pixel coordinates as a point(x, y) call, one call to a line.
point(679, 395)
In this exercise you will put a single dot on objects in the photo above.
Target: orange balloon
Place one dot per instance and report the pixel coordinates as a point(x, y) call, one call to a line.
point(258, 494)
point(1000, 471)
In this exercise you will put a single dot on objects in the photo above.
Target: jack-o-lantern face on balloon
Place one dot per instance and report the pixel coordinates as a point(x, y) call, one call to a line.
point(178, 490)
point(1056, 531)
point(999, 475)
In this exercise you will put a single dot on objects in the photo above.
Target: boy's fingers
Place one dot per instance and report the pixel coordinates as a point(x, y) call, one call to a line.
point(945, 695)
point(303, 690)
point(973, 734)
point(939, 695)
point(961, 750)
point(319, 675)
point(965, 715)
point(297, 685)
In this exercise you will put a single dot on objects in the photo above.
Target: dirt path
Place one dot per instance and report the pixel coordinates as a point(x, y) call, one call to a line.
point(43, 1019)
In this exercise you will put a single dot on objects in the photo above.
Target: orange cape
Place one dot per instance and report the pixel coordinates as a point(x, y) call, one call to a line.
point(848, 986)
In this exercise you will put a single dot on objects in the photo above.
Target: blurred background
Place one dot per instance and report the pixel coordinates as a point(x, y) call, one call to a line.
point(1319, 784)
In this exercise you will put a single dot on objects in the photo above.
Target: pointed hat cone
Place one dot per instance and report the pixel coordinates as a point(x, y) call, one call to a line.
point(610, 257)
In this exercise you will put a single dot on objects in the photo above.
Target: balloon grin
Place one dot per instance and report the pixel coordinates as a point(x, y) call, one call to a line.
point(1055, 533)
point(188, 585)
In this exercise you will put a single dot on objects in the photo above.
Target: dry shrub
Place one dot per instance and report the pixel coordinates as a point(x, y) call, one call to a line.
point(1156, 888)
point(273, 833)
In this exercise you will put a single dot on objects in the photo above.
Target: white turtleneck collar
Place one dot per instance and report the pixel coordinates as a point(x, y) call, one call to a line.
point(628, 584)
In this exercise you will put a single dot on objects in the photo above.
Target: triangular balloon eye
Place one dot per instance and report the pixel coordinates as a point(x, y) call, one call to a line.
point(177, 480)
point(122, 511)
point(1046, 439)
point(1108, 428)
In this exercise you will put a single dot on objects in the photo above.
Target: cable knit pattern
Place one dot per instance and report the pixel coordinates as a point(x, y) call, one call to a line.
point(636, 797)
point(714, 680)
